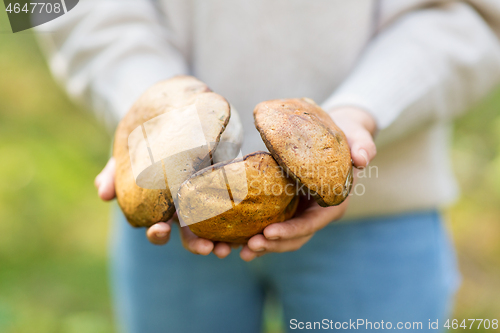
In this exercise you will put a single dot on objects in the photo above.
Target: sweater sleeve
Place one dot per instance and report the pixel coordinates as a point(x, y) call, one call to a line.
point(107, 52)
point(428, 65)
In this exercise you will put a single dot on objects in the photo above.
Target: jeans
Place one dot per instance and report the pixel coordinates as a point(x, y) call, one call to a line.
point(399, 268)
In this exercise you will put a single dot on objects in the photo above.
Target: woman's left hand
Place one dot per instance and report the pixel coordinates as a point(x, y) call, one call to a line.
point(359, 128)
point(291, 235)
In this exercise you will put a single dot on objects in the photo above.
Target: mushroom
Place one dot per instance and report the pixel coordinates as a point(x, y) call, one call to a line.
point(170, 132)
point(305, 141)
point(233, 201)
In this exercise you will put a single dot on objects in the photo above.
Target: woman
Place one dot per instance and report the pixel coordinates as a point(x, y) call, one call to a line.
point(403, 69)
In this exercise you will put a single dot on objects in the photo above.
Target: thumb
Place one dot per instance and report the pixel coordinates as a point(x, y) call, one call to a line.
point(363, 148)
point(105, 181)
point(359, 127)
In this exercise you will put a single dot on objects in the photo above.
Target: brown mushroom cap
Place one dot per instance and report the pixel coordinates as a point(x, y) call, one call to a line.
point(305, 141)
point(168, 134)
point(234, 201)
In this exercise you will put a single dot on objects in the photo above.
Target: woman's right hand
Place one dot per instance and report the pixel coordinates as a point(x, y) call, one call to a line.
point(159, 233)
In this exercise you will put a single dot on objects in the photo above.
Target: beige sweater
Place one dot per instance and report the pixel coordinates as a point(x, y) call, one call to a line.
point(413, 64)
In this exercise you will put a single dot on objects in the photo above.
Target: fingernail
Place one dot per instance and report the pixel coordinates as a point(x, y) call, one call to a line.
point(363, 153)
point(161, 234)
point(260, 250)
point(103, 185)
point(97, 180)
point(273, 238)
point(100, 190)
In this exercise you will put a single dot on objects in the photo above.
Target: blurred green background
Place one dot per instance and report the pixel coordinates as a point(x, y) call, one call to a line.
point(53, 228)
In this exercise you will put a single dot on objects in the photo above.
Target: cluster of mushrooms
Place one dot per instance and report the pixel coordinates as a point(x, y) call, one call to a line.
point(178, 150)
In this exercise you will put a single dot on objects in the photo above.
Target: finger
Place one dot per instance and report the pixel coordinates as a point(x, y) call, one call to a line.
point(363, 149)
point(222, 250)
point(105, 181)
point(260, 244)
point(110, 167)
point(195, 244)
point(248, 255)
point(98, 180)
point(307, 223)
point(159, 233)
point(359, 127)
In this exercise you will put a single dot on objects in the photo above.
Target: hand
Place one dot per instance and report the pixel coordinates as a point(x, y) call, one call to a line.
point(359, 128)
point(159, 233)
point(291, 235)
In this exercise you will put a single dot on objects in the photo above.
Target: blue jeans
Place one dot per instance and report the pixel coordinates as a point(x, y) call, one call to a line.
point(398, 268)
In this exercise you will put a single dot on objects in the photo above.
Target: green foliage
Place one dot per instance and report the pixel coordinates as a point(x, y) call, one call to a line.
point(475, 219)
point(53, 228)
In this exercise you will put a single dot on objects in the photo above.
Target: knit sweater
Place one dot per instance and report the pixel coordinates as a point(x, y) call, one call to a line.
point(413, 64)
